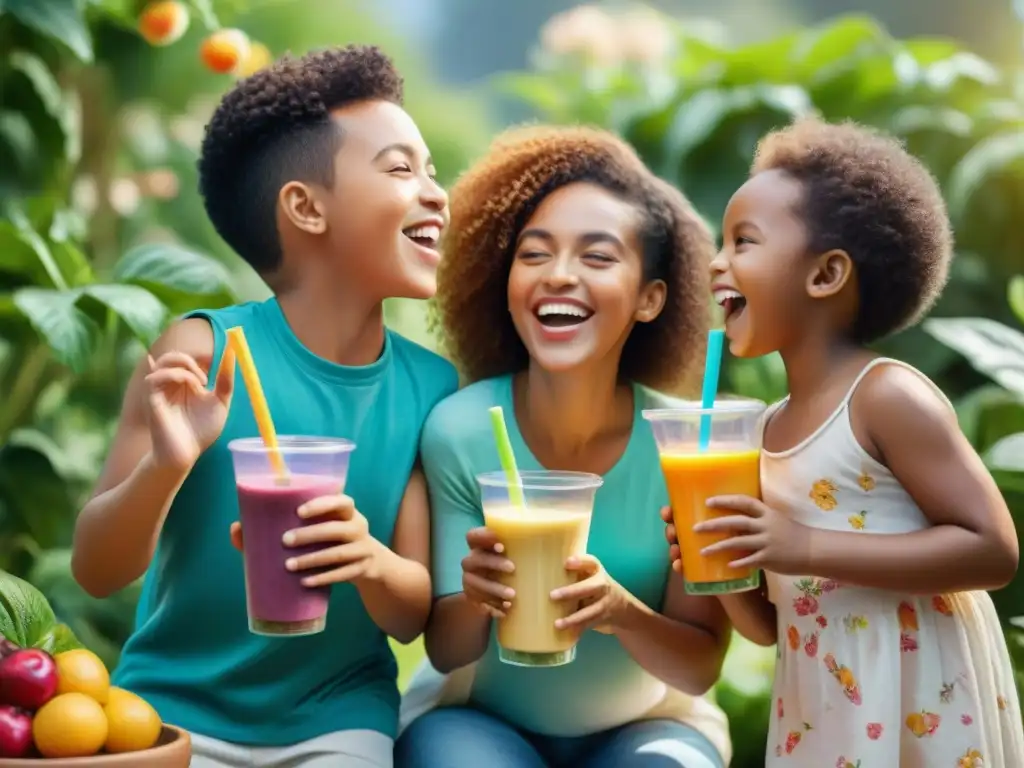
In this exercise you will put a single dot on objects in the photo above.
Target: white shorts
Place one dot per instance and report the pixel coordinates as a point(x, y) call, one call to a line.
point(358, 749)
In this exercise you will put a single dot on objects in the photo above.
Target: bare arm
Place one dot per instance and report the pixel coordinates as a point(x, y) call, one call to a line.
point(685, 646)
point(398, 599)
point(753, 615)
point(972, 544)
point(457, 634)
point(116, 533)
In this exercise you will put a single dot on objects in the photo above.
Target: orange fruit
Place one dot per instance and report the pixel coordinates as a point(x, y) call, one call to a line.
point(69, 725)
point(81, 671)
point(132, 722)
point(258, 58)
point(163, 22)
point(225, 51)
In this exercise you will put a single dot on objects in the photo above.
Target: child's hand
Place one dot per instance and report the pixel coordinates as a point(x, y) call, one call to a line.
point(349, 552)
point(674, 555)
point(185, 417)
point(774, 542)
point(479, 569)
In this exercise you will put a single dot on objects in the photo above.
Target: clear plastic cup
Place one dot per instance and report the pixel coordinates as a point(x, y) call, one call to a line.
point(728, 464)
point(277, 602)
point(538, 540)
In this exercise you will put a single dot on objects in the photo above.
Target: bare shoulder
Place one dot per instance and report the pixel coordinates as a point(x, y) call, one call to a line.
point(896, 403)
point(192, 336)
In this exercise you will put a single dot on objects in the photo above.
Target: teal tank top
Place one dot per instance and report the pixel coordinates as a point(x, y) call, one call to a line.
point(191, 654)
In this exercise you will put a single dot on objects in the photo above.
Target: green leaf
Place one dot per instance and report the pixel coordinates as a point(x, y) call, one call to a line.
point(25, 615)
point(59, 19)
point(539, 92)
point(45, 270)
point(139, 309)
point(995, 156)
point(1016, 296)
point(180, 278)
point(992, 348)
point(701, 115)
point(58, 640)
point(60, 106)
point(69, 332)
point(35, 495)
point(825, 46)
point(204, 9)
point(1008, 454)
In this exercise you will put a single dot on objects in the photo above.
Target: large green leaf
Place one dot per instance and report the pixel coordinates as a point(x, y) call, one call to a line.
point(33, 494)
point(996, 156)
point(25, 615)
point(1015, 293)
point(824, 47)
point(62, 20)
point(180, 278)
point(992, 348)
point(1008, 455)
point(58, 105)
point(702, 114)
point(139, 309)
point(42, 267)
point(69, 332)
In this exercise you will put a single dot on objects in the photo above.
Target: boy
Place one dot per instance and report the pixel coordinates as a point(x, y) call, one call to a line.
point(315, 175)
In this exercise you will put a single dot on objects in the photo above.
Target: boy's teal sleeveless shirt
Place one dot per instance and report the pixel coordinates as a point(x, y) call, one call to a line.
point(192, 655)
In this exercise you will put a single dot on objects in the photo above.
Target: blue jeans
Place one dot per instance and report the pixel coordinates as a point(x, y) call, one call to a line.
point(460, 737)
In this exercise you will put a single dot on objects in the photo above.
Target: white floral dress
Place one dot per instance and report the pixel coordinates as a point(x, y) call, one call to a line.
point(868, 678)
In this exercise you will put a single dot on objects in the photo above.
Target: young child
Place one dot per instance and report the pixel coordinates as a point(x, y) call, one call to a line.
point(879, 527)
point(315, 175)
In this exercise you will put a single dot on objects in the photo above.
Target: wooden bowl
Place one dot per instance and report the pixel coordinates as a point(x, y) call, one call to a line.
point(172, 750)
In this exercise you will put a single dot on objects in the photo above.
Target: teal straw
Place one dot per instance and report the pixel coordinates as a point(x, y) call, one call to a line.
point(712, 368)
point(507, 458)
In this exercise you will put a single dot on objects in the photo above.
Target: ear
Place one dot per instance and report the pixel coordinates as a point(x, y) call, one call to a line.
point(302, 207)
point(652, 301)
point(831, 272)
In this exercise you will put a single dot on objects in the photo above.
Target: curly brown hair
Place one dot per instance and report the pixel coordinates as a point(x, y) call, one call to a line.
point(492, 202)
point(274, 127)
point(863, 193)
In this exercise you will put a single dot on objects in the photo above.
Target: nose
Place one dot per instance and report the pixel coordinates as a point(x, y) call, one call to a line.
point(720, 264)
point(560, 274)
point(433, 195)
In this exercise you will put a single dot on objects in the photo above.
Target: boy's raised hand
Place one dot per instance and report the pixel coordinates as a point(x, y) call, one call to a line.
point(185, 417)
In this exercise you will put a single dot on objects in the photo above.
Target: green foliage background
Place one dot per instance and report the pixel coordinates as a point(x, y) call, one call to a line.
point(103, 239)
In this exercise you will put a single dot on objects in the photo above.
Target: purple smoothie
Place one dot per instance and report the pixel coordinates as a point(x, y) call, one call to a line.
point(278, 603)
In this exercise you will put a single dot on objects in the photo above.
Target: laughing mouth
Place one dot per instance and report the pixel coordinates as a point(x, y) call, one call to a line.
point(555, 314)
point(732, 302)
point(425, 236)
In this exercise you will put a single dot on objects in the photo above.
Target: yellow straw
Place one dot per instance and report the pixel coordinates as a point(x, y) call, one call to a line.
point(236, 340)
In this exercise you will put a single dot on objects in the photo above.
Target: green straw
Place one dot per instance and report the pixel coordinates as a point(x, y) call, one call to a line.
point(712, 368)
point(507, 458)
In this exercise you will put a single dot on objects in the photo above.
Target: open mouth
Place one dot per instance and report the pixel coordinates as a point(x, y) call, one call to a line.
point(554, 314)
point(732, 302)
point(425, 236)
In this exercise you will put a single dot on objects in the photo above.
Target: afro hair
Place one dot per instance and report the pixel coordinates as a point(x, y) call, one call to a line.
point(492, 202)
point(863, 193)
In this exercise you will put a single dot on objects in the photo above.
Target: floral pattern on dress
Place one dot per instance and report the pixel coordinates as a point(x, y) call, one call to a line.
point(823, 494)
point(858, 521)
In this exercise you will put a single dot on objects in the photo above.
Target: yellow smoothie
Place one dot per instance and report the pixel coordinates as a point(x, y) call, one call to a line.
point(538, 541)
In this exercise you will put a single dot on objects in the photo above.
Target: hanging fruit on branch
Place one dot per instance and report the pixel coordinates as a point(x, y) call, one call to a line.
point(163, 22)
point(225, 51)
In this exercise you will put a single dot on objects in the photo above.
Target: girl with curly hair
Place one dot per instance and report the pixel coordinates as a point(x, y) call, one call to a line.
point(574, 292)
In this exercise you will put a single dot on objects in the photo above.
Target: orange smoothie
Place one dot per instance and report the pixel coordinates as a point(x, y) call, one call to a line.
point(692, 478)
